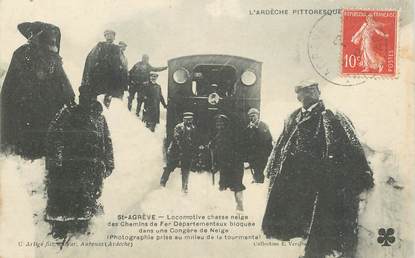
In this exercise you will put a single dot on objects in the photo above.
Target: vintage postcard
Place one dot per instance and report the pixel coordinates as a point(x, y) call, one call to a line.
point(212, 129)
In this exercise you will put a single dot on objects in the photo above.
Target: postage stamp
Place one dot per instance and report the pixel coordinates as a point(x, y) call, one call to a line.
point(369, 42)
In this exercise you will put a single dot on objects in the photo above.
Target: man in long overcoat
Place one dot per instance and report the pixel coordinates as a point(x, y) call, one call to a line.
point(152, 99)
point(317, 170)
point(34, 90)
point(104, 71)
point(79, 156)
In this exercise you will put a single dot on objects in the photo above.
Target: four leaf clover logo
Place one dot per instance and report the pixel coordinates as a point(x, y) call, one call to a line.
point(386, 237)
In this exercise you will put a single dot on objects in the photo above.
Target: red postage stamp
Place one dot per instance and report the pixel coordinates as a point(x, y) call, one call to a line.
point(369, 42)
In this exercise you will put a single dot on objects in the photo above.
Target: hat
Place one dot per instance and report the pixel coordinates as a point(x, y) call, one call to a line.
point(122, 43)
point(188, 114)
point(31, 30)
point(305, 84)
point(221, 116)
point(253, 111)
point(109, 32)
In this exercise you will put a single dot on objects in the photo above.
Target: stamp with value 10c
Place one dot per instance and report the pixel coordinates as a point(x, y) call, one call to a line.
point(369, 42)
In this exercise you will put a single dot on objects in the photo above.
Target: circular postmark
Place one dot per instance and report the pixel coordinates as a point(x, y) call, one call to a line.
point(324, 45)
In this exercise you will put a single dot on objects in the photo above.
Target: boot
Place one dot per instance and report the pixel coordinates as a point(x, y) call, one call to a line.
point(239, 201)
point(164, 177)
point(185, 181)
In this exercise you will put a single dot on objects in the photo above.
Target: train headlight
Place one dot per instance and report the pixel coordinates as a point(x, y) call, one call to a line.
point(181, 76)
point(248, 78)
point(213, 98)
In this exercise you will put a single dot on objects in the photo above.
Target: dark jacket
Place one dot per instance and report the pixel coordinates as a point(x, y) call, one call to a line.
point(140, 72)
point(317, 169)
point(258, 142)
point(34, 90)
point(183, 146)
point(79, 157)
point(228, 159)
point(104, 71)
point(152, 98)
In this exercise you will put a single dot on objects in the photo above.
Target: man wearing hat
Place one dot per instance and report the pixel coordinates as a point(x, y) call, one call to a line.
point(317, 170)
point(152, 99)
point(35, 88)
point(227, 158)
point(109, 36)
point(181, 150)
point(258, 144)
point(138, 76)
point(105, 70)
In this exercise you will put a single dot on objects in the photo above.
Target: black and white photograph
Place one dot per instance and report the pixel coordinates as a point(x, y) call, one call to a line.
point(212, 129)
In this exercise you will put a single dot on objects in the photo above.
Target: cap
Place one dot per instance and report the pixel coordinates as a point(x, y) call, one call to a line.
point(122, 43)
point(109, 32)
point(188, 114)
point(221, 116)
point(305, 84)
point(253, 111)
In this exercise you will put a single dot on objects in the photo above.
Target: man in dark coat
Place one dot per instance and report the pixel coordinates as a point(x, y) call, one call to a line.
point(227, 158)
point(317, 169)
point(139, 75)
point(34, 90)
point(258, 144)
point(181, 151)
point(152, 99)
point(79, 157)
point(104, 71)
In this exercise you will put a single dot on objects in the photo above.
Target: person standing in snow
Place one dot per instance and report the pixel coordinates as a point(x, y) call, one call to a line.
point(79, 156)
point(181, 150)
point(227, 158)
point(139, 76)
point(105, 71)
point(34, 90)
point(317, 169)
point(152, 99)
point(258, 144)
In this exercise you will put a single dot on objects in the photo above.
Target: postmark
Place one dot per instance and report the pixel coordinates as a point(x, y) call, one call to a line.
point(324, 50)
point(369, 43)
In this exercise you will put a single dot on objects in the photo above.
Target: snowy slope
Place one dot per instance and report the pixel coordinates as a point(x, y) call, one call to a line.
point(133, 189)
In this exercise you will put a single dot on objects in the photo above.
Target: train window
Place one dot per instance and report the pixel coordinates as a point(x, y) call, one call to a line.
point(214, 78)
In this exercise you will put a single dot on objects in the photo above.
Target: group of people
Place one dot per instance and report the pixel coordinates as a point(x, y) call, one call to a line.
point(227, 151)
point(40, 118)
point(317, 168)
point(106, 72)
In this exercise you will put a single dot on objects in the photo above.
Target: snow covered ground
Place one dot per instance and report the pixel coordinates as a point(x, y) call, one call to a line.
point(133, 188)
